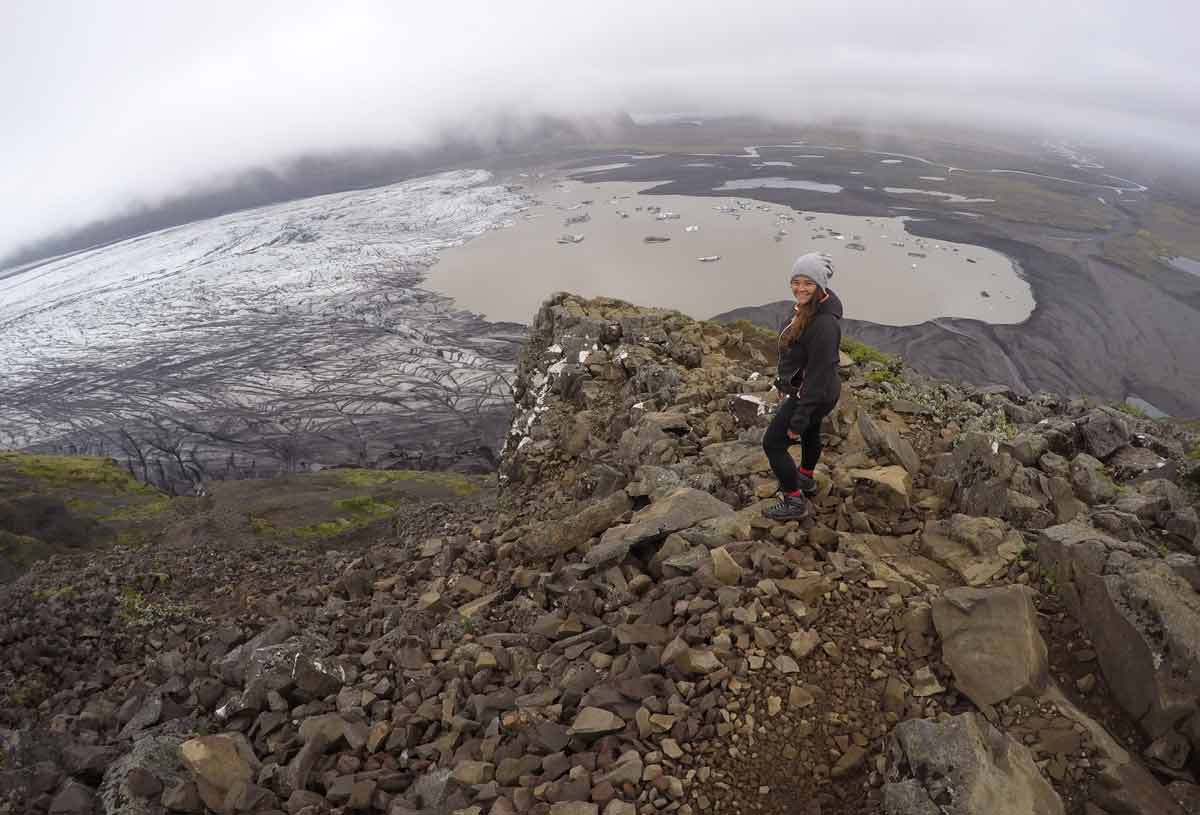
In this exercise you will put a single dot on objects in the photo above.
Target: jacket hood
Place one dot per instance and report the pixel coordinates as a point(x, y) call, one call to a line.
point(831, 305)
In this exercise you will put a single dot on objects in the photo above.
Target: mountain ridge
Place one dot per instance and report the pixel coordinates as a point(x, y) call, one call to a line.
point(622, 631)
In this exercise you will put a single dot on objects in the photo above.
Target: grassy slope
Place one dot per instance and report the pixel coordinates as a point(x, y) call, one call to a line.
point(57, 504)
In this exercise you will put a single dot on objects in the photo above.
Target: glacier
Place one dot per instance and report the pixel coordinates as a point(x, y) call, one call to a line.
point(289, 336)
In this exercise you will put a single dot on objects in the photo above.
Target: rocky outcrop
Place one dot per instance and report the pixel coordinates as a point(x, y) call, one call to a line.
point(1144, 618)
point(979, 478)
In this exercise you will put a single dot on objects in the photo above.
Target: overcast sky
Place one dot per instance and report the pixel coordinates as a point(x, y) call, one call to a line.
point(107, 101)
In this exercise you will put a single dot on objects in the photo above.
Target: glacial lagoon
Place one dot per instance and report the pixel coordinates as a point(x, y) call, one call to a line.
point(606, 239)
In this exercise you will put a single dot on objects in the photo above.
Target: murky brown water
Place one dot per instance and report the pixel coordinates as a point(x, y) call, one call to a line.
point(506, 273)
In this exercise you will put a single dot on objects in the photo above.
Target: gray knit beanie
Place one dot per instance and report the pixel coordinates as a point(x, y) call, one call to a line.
point(816, 266)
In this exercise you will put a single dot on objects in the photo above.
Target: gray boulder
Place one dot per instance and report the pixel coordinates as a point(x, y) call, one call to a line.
point(680, 509)
point(1027, 448)
point(1054, 465)
point(1130, 463)
point(1062, 498)
point(1090, 480)
point(1145, 507)
point(737, 458)
point(883, 488)
point(1183, 525)
point(653, 482)
point(888, 444)
point(301, 666)
point(232, 666)
point(73, 799)
point(220, 765)
point(747, 409)
point(653, 434)
point(1102, 432)
point(963, 766)
point(549, 540)
point(152, 756)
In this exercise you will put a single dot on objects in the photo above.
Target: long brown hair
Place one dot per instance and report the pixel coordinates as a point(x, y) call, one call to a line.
point(801, 317)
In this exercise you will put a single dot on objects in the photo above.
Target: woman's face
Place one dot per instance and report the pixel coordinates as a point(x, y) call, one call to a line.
point(803, 290)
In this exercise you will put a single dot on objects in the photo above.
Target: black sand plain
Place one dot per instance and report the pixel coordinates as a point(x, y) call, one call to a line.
point(1112, 320)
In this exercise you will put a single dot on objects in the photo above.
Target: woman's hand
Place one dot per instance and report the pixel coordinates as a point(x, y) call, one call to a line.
point(794, 436)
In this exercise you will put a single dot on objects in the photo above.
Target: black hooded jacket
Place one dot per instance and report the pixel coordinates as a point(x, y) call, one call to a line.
point(810, 364)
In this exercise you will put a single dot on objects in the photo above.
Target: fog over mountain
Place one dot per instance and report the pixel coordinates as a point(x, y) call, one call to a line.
point(119, 106)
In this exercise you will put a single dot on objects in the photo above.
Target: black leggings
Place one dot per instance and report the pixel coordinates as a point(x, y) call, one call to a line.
point(776, 443)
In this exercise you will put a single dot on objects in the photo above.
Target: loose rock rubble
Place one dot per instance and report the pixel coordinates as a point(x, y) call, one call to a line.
point(626, 633)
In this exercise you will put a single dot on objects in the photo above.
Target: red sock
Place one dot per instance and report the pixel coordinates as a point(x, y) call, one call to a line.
point(796, 494)
point(805, 472)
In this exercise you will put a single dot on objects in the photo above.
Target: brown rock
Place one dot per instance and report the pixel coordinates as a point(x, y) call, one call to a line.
point(890, 486)
point(799, 698)
point(473, 772)
point(549, 540)
point(850, 761)
point(574, 808)
point(219, 764)
point(594, 721)
point(725, 568)
point(978, 548)
point(991, 641)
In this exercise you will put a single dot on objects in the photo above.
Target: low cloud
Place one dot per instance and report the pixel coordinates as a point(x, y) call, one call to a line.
point(126, 102)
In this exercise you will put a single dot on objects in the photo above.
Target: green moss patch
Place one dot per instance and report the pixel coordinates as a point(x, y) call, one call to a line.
point(364, 505)
point(22, 550)
point(354, 513)
point(157, 506)
point(137, 610)
point(77, 503)
point(864, 354)
point(881, 375)
point(45, 595)
point(29, 691)
point(65, 471)
point(337, 503)
point(457, 483)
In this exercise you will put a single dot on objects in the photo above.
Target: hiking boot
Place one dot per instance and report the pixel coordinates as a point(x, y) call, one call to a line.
point(789, 508)
point(807, 484)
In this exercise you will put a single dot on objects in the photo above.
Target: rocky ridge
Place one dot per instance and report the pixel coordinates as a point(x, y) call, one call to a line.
point(991, 610)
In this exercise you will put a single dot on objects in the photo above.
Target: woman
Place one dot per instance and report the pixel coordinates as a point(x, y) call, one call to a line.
point(808, 378)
